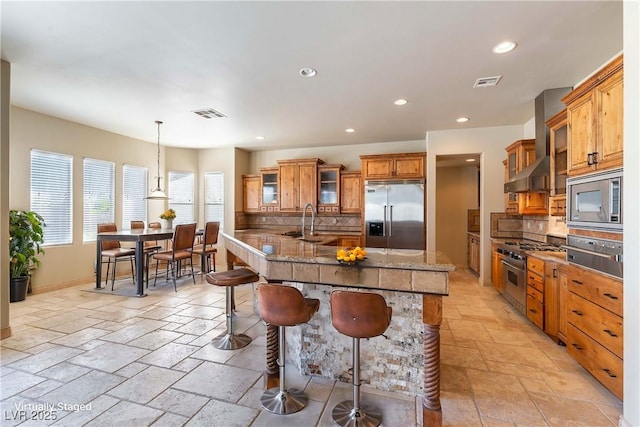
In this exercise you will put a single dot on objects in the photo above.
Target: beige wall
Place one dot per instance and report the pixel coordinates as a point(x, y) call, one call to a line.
point(456, 192)
point(490, 143)
point(33, 130)
point(336, 154)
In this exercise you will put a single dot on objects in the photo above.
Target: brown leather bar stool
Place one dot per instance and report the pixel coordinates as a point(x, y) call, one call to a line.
point(282, 306)
point(358, 315)
point(229, 340)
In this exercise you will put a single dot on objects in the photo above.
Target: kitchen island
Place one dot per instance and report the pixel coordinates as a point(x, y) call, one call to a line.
point(419, 275)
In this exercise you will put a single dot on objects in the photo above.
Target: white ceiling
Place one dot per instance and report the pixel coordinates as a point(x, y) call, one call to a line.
point(120, 66)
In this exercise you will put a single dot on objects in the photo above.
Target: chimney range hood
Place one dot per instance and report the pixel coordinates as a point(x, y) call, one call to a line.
point(535, 177)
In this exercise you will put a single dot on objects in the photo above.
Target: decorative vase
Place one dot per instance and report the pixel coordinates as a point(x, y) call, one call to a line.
point(168, 223)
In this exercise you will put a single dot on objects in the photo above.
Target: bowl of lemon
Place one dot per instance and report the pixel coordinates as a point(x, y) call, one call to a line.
point(347, 256)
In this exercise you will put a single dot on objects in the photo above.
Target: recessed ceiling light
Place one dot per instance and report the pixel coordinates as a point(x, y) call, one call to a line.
point(504, 47)
point(471, 160)
point(462, 119)
point(308, 72)
point(350, 130)
point(400, 101)
point(259, 137)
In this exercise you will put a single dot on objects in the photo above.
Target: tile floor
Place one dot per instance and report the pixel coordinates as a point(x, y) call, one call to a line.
point(102, 359)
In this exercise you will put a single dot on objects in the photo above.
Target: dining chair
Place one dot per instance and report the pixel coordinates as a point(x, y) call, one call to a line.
point(149, 248)
point(112, 251)
point(207, 249)
point(181, 250)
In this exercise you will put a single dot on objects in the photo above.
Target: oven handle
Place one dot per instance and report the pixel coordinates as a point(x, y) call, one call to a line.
point(615, 257)
point(505, 263)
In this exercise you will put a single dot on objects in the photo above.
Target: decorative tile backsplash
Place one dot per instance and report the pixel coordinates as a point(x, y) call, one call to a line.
point(290, 222)
point(530, 227)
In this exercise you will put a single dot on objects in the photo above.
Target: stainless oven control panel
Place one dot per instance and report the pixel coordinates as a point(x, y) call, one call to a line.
point(602, 255)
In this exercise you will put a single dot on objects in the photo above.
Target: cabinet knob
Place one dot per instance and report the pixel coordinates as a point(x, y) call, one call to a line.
point(608, 331)
point(577, 282)
point(608, 295)
point(576, 312)
point(608, 372)
point(576, 346)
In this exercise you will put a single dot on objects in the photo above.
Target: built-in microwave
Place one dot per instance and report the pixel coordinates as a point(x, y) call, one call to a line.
point(595, 200)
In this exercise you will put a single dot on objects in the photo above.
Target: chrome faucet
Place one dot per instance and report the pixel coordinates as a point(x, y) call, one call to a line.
point(304, 215)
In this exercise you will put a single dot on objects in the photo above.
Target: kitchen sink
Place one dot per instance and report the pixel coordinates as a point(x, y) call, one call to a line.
point(292, 233)
point(311, 239)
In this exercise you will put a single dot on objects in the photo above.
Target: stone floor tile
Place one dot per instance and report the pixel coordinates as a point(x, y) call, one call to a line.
point(561, 411)
point(168, 355)
point(75, 325)
point(307, 416)
point(32, 338)
point(198, 326)
point(17, 382)
point(188, 339)
point(170, 420)
point(80, 337)
point(83, 389)
point(41, 388)
point(186, 365)
point(453, 379)
point(155, 339)
point(146, 385)
point(178, 402)
point(459, 410)
point(522, 355)
point(217, 413)
point(126, 414)
point(212, 354)
point(8, 355)
point(89, 412)
point(461, 356)
point(132, 332)
point(109, 357)
point(579, 386)
point(132, 369)
point(45, 359)
point(251, 357)
point(217, 381)
point(202, 312)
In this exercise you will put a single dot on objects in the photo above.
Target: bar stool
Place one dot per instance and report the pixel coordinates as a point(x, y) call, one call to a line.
point(229, 340)
point(284, 306)
point(358, 315)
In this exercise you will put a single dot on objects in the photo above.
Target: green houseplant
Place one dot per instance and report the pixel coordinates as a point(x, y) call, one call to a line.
point(26, 236)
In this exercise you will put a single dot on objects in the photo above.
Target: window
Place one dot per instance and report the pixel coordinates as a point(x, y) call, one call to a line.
point(134, 190)
point(214, 197)
point(181, 196)
point(51, 195)
point(98, 195)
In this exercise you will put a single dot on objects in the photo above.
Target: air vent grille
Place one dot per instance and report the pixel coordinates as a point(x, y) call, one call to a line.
point(209, 113)
point(487, 81)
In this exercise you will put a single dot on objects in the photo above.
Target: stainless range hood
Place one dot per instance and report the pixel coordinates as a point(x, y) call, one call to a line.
point(535, 177)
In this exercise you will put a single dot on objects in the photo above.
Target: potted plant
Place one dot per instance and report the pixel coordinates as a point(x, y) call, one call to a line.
point(26, 236)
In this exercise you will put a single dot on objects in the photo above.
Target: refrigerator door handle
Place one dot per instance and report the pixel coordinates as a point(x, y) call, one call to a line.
point(384, 221)
point(390, 218)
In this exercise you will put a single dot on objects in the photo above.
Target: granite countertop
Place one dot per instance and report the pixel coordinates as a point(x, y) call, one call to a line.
point(474, 233)
point(277, 247)
point(552, 256)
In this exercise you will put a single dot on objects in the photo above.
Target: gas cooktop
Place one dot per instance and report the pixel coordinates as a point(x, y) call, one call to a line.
point(530, 245)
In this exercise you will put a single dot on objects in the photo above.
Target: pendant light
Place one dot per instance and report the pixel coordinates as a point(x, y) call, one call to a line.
point(158, 193)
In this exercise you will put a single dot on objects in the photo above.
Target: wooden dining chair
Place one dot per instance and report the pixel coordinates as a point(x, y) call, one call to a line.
point(181, 250)
point(207, 249)
point(112, 251)
point(149, 248)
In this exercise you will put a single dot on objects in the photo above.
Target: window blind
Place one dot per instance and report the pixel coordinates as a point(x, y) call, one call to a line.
point(181, 195)
point(51, 195)
point(134, 190)
point(214, 197)
point(98, 195)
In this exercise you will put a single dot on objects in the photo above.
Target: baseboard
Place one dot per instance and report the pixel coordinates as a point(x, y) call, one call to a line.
point(5, 333)
point(624, 423)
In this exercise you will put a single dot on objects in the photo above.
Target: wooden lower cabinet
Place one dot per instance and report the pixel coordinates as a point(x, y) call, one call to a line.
point(535, 306)
point(563, 295)
point(497, 270)
point(595, 325)
point(473, 253)
point(349, 241)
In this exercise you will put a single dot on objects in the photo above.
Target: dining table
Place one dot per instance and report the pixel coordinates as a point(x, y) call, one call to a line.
point(139, 236)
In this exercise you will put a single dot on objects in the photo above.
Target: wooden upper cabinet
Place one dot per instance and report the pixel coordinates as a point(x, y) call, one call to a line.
point(269, 193)
point(251, 190)
point(595, 121)
point(558, 164)
point(329, 188)
point(298, 183)
point(393, 166)
point(351, 192)
point(520, 154)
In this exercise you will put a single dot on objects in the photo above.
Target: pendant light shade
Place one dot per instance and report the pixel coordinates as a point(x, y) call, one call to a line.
point(157, 193)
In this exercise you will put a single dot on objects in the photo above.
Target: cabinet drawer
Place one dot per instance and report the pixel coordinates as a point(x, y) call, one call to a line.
point(535, 294)
point(599, 289)
point(535, 281)
point(599, 324)
point(600, 362)
point(536, 265)
point(535, 312)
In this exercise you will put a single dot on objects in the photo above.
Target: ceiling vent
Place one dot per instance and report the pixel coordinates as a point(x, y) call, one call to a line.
point(209, 113)
point(487, 81)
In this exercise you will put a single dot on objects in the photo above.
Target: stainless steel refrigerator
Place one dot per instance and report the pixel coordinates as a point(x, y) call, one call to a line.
point(394, 214)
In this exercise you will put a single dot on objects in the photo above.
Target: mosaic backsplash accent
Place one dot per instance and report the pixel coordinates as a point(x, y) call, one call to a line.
point(392, 362)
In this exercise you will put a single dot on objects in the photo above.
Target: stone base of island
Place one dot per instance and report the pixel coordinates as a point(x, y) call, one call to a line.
point(405, 360)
